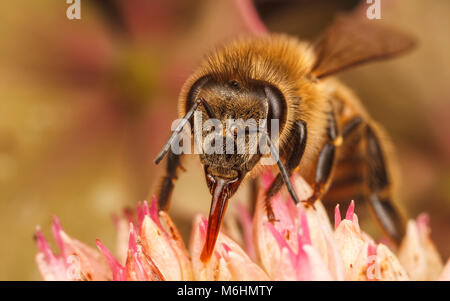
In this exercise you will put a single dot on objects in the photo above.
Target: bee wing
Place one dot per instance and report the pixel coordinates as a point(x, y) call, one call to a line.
point(351, 41)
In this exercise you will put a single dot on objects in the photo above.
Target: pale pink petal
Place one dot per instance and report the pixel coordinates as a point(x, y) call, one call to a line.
point(122, 236)
point(350, 211)
point(83, 261)
point(118, 271)
point(139, 266)
point(76, 261)
point(319, 226)
point(376, 263)
point(240, 265)
point(281, 246)
point(285, 271)
point(359, 264)
point(334, 259)
point(246, 222)
point(319, 270)
point(267, 250)
point(386, 266)
point(43, 246)
point(55, 271)
point(56, 231)
point(93, 265)
point(445, 276)
point(350, 243)
point(337, 217)
point(267, 178)
point(304, 264)
point(417, 252)
point(140, 214)
point(157, 245)
point(50, 267)
point(177, 243)
point(229, 262)
point(200, 270)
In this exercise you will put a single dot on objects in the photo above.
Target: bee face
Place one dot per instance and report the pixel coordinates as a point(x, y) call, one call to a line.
point(230, 138)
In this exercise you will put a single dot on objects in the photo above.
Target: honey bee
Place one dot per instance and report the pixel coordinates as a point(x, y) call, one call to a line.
point(325, 134)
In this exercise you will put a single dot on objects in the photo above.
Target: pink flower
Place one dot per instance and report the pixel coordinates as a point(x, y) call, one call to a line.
point(363, 258)
point(300, 245)
point(155, 250)
point(76, 260)
point(288, 250)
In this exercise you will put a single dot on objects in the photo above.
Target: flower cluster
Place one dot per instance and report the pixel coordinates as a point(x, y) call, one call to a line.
point(300, 245)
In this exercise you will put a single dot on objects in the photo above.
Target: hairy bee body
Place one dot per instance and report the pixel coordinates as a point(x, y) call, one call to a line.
point(350, 175)
point(287, 63)
point(325, 133)
point(284, 62)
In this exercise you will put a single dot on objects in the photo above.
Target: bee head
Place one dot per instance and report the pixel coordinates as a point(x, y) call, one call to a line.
point(232, 127)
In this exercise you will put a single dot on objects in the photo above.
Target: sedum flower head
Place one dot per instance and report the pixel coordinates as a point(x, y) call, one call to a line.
point(301, 245)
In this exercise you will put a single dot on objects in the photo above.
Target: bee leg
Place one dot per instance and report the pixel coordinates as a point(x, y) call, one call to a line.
point(325, 163)
point(253, 194)
point(380, 195)
point(271, 191)
point(299, 135)
point(351, 126)
point(173, 162)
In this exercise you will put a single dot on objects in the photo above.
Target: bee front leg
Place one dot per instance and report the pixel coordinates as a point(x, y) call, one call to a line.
point(298, 134)
point(165, 192)
point(326, 160)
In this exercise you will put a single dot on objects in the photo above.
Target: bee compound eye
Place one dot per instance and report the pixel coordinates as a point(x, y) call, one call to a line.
point(277, 105)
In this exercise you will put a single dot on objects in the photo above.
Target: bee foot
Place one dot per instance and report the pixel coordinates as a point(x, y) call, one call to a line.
point(309, 203)
point(271, 218)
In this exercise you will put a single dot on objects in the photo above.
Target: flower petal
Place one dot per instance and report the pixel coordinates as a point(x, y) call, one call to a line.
point(445, 276)
point(50, 267)
point(417, 252)
point(179, 248)
point(385, 266)
point(246, 223)
point(156, 244)
point(350, 244)
point(77, 261)
point(319, 226)
point(139, 266)
point(300, 244)
point(122, 237)
point(319, 270)
point(229, 262)
point(118, 271)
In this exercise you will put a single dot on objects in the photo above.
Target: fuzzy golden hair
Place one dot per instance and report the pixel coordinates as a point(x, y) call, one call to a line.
point(282, 61)
point(324, 127)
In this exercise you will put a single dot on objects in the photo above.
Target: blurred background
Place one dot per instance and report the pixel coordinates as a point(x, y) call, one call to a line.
point(85, 105)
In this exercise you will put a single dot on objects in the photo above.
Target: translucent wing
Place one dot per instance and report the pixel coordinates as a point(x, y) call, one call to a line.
point(351, 41)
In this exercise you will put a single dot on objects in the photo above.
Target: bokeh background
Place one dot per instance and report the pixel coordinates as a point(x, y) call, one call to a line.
point(85, 105)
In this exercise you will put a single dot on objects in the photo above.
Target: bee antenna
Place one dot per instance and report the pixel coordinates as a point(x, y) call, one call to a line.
point(283, 171)
point(181, 125)
point(177, 130)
